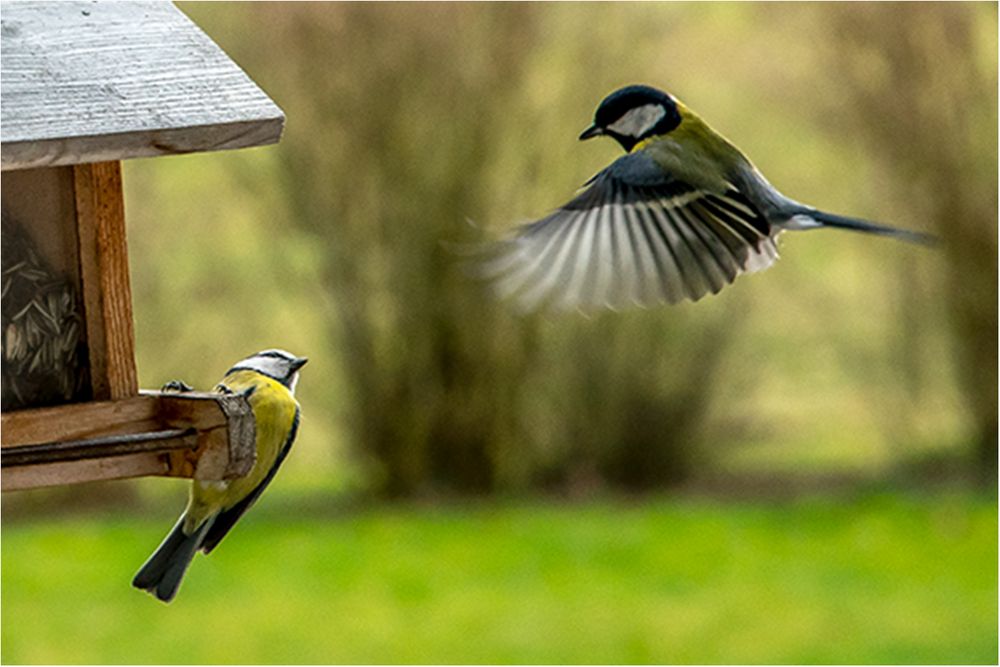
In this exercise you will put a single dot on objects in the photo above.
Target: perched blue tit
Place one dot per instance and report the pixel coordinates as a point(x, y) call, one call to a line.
point(681, 215)
point(268, 381)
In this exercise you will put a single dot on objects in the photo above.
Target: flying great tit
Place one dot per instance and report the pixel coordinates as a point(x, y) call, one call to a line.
point(681, 215)
point(268, 380)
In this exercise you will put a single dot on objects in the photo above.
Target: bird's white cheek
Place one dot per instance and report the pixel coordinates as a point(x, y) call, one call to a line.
point(638, 121)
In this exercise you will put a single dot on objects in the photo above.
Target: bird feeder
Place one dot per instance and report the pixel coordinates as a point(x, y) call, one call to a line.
point(84, 85)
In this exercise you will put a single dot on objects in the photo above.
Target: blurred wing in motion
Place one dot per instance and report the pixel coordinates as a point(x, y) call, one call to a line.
point(634, 236)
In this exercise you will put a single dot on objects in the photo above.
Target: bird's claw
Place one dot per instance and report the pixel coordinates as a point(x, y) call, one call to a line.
point(246, 393)
point(179, 386)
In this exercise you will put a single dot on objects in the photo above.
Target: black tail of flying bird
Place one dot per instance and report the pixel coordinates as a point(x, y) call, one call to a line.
point(859, 225)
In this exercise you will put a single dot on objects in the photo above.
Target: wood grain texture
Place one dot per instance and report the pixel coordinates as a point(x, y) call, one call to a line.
point(107, 291)
point(224, 448)
point(93, 470)
point(105, 446)
point(85, 81)
point(77, 421)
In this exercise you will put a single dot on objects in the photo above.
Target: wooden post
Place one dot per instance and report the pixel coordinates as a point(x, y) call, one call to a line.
point(107, 293)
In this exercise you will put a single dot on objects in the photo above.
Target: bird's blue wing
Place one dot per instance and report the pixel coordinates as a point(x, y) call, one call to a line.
point(634, 235)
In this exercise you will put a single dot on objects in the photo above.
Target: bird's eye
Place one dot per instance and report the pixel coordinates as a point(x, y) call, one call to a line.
point(638, 121)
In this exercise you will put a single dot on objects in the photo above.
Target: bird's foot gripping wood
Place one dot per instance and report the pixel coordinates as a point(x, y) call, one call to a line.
point(179, 386)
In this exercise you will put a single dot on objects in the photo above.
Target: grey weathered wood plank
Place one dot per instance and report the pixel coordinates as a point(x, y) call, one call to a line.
point(89, 81)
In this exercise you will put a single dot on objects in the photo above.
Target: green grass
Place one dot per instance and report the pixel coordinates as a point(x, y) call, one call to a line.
point(881, 578)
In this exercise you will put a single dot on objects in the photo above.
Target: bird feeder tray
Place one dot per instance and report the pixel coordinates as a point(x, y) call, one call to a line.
point(199, 435)
point(84, 85)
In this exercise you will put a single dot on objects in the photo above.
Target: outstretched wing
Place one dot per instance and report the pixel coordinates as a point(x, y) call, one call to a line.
point(634, 236)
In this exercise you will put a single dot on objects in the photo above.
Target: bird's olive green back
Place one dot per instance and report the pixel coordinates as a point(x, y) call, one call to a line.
point(693, 151)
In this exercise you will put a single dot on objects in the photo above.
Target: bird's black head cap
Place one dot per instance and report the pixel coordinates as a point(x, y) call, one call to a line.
point(634, 113)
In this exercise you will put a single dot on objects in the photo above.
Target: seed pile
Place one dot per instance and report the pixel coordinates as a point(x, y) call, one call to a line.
point(41, 328)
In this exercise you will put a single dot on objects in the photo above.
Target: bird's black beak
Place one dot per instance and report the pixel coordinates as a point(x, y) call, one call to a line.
point(592, 131)
point(298, 363)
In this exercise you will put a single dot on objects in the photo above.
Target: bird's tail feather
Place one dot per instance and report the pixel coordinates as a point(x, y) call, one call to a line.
point(856, 224)
point(161, 575)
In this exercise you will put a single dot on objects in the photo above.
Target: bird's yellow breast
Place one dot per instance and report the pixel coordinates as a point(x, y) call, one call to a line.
point(274, 409)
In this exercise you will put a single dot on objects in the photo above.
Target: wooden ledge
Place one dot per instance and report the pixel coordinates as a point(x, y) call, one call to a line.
point(198, 435)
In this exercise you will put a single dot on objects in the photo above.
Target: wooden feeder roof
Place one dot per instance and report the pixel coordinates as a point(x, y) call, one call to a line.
point(90, 81)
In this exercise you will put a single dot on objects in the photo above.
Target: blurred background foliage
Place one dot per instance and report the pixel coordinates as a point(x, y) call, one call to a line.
point(416, 130)
point(413, 130)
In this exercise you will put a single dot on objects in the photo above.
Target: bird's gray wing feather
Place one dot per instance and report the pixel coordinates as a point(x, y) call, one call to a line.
point(634, 236)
